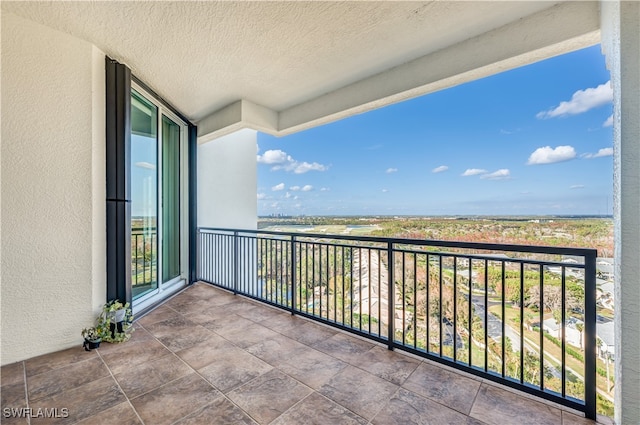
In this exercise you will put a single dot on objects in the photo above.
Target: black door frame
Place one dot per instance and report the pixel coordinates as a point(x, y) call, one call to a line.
point(118, 169)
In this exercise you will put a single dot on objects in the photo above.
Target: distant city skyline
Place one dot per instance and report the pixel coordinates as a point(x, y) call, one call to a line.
point(536, 140)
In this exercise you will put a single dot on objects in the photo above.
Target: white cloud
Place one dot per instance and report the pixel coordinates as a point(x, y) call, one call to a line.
point(294, 188)
point(608, 122)
point(473, 172)
point(307, 188)
point(262, 196)
point(440, 169)
point(146, 165)
point(301, 168)
point(287, 195)
point(391, 170)
point(278, 187)
point(502, 174)
point(547, 155)
point(576, 186)
point(385, 190)
point(281, 161)
point(581, 101)
point(324, 189)
point(274, 157)
point(601, 153)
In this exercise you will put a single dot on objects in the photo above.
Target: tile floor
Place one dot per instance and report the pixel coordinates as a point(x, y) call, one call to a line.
point(209, 357)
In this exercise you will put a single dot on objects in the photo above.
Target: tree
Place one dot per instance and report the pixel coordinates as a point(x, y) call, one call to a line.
point(580, 328)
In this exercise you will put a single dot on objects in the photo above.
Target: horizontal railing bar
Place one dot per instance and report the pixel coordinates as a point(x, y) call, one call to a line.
point(497, 260)
point(536, 249)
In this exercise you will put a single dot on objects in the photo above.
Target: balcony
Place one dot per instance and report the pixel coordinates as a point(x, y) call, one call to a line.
point(347, 282)
point(207, 356)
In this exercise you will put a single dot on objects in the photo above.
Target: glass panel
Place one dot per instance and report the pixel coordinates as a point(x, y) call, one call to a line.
point(144, 196)
point(170, 199)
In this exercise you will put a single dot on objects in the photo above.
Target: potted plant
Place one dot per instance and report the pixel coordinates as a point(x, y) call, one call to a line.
point(92, 338)
point(115, 321)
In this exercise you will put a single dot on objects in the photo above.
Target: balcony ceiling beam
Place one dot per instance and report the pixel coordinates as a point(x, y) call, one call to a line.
point(561, 29)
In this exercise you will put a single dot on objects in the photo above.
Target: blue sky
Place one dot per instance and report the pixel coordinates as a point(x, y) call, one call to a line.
point(536, 140)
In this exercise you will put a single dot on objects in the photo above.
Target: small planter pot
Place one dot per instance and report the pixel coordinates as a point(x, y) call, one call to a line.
point(91, 344)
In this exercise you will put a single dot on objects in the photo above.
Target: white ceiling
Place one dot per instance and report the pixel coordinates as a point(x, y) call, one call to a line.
point(297, 61)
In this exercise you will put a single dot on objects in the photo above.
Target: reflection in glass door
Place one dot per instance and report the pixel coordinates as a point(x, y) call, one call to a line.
point(170, 200)
point(144, 196)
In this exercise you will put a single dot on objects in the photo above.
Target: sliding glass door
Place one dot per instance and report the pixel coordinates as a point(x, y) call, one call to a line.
point(171, 199)
point(158, 188)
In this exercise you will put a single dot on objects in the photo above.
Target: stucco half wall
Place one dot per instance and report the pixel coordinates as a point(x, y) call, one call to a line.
point(227, 181)
point(52, 188)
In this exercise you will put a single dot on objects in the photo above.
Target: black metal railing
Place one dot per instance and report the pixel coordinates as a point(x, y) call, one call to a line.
point(507, 313)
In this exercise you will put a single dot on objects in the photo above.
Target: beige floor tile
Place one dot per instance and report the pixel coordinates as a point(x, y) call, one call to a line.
point(131, 354)
point(159, 314)
point(204, 352)
point(359, 391)
point(407, 408)
point(571, 419)
point(80, 402)
point(12, 373)
point(282, 323)
point(228, 325)
point(268, 396)
point(185, 337)
point(448, 388)
point(389, 365)
point(175, 400)
point(233, 368)
point(151, 375)
point(344, 347)
point(13, 396)
point(312, 367)
point(170, 326)
point(497, 406)
point(58, 359)
point(250, 335)
point(310, 333)
point(260, 314)
point(277, 349)
point(122, 414)
point(316, 409)
point(47, 384)
point(219, 412)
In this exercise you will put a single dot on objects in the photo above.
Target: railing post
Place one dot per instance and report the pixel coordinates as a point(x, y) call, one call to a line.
point(391, 300)
point(198, 253)
point(235, 262)
point(294, 266)
point(590, 335)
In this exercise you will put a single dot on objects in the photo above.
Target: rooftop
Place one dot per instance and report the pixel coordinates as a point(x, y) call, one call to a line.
point(207, 356)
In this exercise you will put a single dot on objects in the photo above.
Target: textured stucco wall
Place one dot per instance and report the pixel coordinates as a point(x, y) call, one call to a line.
point(227, 181)
point(621, 43)
point(52, 187)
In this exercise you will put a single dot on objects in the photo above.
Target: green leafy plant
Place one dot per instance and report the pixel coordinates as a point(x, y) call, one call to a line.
point(115, 322)
point(91, 334)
